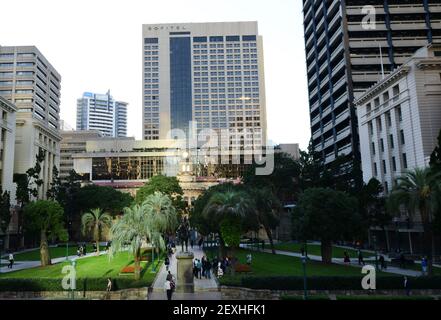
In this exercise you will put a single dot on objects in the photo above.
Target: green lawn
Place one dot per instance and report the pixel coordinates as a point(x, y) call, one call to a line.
point(384, 297)
point(55, 252)
point(91, 267)
point(267, 264)
point(366, 297)
point(314, 249)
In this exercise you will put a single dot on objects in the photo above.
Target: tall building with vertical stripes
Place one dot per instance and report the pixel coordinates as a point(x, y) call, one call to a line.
point(350, 45)
point(208, 73)
point(101, 112)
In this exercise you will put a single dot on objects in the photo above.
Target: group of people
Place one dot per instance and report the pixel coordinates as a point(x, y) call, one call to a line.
point(202, 268)
point(81, 250)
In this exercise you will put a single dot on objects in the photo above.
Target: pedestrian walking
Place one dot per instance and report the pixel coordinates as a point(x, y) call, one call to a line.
point(346, 258)
point(424, 266)
point(167, 263)
point(407, 286)
point(11, 260)
point(220, 272)
point(382, 262)
point(168, 289)
point(402, 261)
point(109, 284)
point(201, 242)
point(249, 259)
point(360, 258)
point(208, 269)
point(170, 276)
point(302, 251)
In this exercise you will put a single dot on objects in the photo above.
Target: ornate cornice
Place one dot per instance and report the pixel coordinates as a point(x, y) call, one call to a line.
point(381, 85)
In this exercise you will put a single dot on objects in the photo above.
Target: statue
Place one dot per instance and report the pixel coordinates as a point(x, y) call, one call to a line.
point(184, 233)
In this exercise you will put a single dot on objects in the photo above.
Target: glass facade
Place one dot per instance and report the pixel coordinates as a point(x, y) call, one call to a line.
point(126, 168)
point(180, 83)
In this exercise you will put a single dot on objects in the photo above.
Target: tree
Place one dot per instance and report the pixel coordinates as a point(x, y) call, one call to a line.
point(283, 181)
point(267, 208)
point(435, 164)
point(371, 206)
point(5, 210)
point(419, 190)
point(311, 168)
point(328, 215)
point(96, 220)
point(159, 208)
point(47, 218)
point(29, 182)
point(166, 185)
point(435, 157)
point(233, 213)
point(53, 192)
point(143, 223)
point(28, 185)
point(106, 198)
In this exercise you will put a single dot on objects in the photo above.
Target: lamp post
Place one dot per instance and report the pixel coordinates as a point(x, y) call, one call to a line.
point(374, 237)
point(305, 290)
point(153, 258)
point(1, 249)
point(73, 285)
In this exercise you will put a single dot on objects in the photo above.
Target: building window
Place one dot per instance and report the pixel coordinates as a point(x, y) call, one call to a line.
point(386, 187)
point(402, 136)
point(388, 119)
point(391, 137)
point(150, 40)
point(380, 127)
point(375, 169)
point(384, 167)
point(373, 148)
point(399, 114)
point(394, 164)
point(248, 38)
point(404, 161)
point(382, 145)
point(396, 92)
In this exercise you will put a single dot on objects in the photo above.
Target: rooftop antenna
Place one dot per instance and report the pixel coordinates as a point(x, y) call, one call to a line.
point(381, 58)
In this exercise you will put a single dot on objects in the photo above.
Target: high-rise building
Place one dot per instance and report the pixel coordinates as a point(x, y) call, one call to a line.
point(29, 81)
point(208, 73)
point(349, 45)
point(101, 112)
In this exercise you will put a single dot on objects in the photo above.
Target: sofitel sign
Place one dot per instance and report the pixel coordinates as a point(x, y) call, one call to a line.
point(167, 28)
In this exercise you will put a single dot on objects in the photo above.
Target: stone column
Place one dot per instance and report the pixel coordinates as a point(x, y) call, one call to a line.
point(185, 279)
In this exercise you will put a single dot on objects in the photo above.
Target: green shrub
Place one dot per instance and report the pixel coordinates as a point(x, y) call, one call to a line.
point(51, 284)
point(329, 282)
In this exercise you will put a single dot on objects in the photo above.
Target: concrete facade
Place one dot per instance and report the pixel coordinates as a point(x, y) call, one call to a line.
point(208, 73)
point(29, 81)
point(349, 44)
point(73, 142)
point(399, 118)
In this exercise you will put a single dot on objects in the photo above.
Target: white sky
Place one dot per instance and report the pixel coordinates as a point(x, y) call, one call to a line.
point(96, 45)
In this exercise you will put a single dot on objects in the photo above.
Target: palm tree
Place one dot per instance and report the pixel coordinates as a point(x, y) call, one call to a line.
point(141, 224)
point(419, 190)
point(96, 220)
point(233, 212)
point(159, 208)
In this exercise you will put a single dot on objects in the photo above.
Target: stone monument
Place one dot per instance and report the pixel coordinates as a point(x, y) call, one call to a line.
point(185, 282)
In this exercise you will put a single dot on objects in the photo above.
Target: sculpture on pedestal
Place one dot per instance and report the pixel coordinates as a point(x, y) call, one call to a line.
point(184, 234)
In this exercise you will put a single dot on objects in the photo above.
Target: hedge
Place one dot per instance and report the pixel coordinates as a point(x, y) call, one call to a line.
point(330, 282)
point(54, 284)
